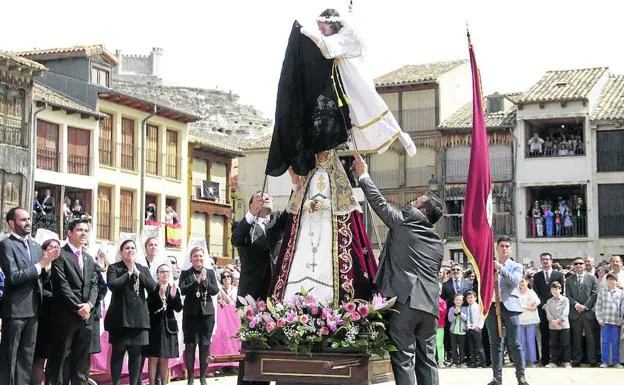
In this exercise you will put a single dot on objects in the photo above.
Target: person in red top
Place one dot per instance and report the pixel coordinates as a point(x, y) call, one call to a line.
point(440, 332)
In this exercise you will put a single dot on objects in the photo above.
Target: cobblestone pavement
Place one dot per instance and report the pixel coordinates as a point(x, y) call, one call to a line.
point(535, 376)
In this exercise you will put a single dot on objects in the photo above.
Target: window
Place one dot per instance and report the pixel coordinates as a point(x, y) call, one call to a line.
point(556, 212)
point(127, 144)
point(12, 117)
point(173, 162)
point(11, 185)
point(609, 145)
point(610, 210)
point(100, 76)
point(78, 151)
point(47, 145)
point(458, 256)
point(106, 140)
point(554, 138)
point(494, 105)
point(104, 212)
point(151, 156)
point(126, 203)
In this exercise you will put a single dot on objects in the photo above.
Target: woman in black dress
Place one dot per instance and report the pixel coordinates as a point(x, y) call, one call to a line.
point(198, 284)
point(163, 335)
point(127, 320)
point(42, 348)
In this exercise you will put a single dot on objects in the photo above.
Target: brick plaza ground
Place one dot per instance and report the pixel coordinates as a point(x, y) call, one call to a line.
point(535, 376)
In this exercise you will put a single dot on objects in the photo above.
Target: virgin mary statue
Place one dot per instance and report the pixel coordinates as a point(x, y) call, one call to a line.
point(325, 248)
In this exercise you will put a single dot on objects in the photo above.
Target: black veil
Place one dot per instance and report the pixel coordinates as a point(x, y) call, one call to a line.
point(308, 119)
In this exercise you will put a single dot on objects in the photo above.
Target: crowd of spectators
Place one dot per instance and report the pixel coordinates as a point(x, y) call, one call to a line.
point(558, 218)
point(559, 144)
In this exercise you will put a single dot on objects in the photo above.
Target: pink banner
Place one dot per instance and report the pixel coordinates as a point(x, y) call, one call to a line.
point(223, 343)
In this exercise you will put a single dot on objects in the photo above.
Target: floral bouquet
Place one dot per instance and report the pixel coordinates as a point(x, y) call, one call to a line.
point(303, 324)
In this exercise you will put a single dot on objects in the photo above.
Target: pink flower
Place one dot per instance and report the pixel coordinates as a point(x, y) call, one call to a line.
point(349, 306)
point(326, 313)
point(261, 305)
point(281, 323)
point(363, 310)
point(319, 321)
point(267, 318)
point(314, 310)
point(291, 317)
point(324, 331)
point(270, 326)
point(249, 313)
point(378, 302)
point(355, 316)
point(332, 325)
point(304, 319)
point(252, 324)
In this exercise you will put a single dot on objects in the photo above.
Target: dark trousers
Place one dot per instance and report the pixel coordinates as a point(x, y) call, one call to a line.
point(560, 341)
point(475, 348)
point(17, 350)
point(585, 323)
point(545, 337)
point(458, 348)
point(413, 333)
point(510, 323)
point(71, 346)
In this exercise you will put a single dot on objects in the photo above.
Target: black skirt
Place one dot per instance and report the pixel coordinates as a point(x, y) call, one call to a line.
point(198, 329)
point(162, 344)
point(128, 336)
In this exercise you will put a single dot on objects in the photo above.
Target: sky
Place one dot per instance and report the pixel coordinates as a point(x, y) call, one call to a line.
point(239, 45)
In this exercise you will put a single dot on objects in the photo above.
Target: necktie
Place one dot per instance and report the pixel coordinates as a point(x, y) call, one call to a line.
point(77, 257)
point(547, 275)
point(457, 286)
point(470, 315)
point(579, 279)
point(25, 241)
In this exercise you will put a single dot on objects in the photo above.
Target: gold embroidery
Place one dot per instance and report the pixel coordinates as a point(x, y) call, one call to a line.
point(372, 121)
point(321, 184)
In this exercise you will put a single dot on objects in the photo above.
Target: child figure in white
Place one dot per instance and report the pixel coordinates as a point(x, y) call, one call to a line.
point(457, 316)
point(474, 325)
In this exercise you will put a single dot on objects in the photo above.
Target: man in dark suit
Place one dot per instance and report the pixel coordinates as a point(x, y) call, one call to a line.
point(257, 248)
point(48, 203)
point(25, 267)
point(582, 290)
point(75, 292)
point(541, 285)
point(408, 270)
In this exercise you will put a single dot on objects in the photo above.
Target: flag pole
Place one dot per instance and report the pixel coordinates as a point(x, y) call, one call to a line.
point(497, 302)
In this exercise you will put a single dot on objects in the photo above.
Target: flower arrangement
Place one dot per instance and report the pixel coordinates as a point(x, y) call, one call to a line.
point(303, 324)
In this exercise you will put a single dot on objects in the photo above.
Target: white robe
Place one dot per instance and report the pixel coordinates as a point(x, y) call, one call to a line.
point(315, 231)
point(374, 126)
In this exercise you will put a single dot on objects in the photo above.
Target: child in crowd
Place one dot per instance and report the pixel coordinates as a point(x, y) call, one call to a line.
point(609, 313)
point(557, 309)
point(440, 331)
point(457, 317)
point(474, 325)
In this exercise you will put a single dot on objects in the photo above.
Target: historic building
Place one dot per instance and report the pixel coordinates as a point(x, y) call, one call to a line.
point(455, 142)
point(16, 132)
point(212, 163)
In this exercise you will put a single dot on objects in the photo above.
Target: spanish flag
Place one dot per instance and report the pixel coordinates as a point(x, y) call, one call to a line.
point(477, 238)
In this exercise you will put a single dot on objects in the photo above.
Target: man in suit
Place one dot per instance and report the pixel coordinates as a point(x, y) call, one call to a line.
point(48, 203)
point(541, 285)
point(25, 267)
point(75, 292)
point(408, 270)
point(509, 274)
point(582, 291)
point(257, 248)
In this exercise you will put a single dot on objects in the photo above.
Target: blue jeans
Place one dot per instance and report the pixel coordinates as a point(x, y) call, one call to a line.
point(526, 335)
point(610, 336)
point(510, 323)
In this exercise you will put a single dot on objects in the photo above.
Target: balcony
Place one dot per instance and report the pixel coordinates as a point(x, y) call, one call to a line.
point(457, 170)
point(107, 156)
point(77, 164)
point(556, 152)
point(502, 224)
point(12, 133)
point(419, 176)
point(48, 160)
point(385, 178)
point(129, 158)
point(415, 120)
point(573, 227)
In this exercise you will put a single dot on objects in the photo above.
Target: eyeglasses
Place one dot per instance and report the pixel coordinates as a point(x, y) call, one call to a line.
point(164, 271)
point(455, 269)
point(578, 263)
point(227, 276)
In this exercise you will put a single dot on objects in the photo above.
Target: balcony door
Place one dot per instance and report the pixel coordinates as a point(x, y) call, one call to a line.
point(78, 151)
point(47, 145)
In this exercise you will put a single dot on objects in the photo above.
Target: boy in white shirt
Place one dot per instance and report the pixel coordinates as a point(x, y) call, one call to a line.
point(474, 325)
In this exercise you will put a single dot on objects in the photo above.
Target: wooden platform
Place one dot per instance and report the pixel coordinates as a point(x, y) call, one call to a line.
point(316, 368)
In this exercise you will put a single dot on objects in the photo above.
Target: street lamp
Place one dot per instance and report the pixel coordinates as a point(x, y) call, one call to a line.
point(433, 183)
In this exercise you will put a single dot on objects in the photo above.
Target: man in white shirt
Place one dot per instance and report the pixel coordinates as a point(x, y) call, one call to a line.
point(616, 268)
point(589, 265)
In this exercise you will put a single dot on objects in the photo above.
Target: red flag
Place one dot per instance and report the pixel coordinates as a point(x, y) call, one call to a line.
point(477, 238)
